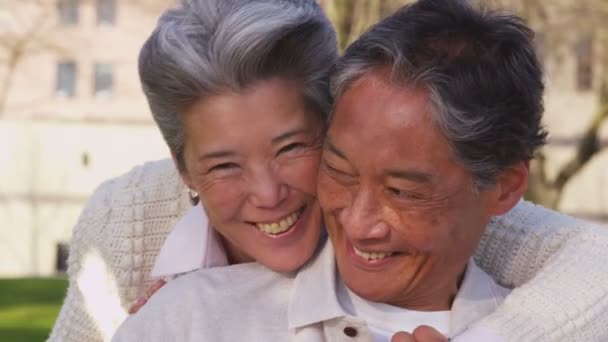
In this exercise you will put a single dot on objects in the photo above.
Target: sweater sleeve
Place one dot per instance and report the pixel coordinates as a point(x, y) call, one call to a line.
point(91, 310)
point(559, 266)
point(113, 248)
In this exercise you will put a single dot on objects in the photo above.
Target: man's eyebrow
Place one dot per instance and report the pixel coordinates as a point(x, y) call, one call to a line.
point(412, 175)
point(288, 135)
point(330, 146)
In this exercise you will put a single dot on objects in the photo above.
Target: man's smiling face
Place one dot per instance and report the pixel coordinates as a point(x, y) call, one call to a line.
point(404, 217)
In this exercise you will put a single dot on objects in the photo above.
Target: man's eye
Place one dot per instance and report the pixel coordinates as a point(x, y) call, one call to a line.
point(405, 194)
point(335, 171)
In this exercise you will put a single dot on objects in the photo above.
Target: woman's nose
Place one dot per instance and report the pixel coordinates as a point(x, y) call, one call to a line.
point(267, 190)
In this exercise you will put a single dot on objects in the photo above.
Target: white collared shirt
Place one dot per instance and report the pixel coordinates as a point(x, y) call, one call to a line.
point(481, 294)
point(193, 244)
point(385, 320)
point(250, 302)
point(315, 298)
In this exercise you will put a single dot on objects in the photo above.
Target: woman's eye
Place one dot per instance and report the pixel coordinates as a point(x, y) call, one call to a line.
point(290, 147)
point(223, 167)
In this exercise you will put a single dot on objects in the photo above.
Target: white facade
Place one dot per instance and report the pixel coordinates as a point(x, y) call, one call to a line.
point(55, 149)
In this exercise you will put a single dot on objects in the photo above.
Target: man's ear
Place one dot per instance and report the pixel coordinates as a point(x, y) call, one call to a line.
point(183, 173)
point(510, 188)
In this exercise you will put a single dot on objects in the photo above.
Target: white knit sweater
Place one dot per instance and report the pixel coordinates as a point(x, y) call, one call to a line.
point(124, 224)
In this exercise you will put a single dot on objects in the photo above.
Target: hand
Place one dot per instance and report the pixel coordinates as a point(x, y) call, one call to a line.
point(421, 334)
point(141, 301)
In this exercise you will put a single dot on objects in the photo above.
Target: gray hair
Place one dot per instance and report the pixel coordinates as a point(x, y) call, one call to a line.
point(481, 71)
point(202, 48)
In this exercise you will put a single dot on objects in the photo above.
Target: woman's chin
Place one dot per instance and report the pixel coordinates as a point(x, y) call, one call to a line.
point(288, 263)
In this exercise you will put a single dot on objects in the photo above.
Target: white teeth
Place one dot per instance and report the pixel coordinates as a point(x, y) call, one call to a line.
point(371, 255)
point(281, 226)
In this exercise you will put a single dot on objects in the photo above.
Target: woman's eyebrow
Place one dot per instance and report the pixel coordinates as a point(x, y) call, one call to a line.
point(288, 135)
point(216, 154)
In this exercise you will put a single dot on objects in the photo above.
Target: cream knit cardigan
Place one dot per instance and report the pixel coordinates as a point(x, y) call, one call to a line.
point(126, 221)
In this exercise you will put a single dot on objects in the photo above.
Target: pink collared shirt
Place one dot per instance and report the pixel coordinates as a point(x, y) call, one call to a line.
point(192, 244)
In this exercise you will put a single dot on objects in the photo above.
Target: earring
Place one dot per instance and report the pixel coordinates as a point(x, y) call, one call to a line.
point(194, 198)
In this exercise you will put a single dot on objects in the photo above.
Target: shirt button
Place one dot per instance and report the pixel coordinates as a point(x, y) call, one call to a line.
point(350, 331)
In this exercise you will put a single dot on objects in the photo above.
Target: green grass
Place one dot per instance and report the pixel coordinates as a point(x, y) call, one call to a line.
point(29, 307)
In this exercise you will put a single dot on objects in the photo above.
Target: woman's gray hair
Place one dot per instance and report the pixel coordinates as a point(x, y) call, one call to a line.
point(481, 72)
point(202, 48)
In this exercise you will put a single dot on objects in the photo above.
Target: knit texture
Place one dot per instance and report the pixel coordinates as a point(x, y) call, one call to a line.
point(548, 255)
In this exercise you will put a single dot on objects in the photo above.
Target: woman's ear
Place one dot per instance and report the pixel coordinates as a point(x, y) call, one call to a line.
point(511, 186)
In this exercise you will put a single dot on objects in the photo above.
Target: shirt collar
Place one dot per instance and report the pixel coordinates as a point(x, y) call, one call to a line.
point(314, 296)
point(192, 244)
point(479, 295)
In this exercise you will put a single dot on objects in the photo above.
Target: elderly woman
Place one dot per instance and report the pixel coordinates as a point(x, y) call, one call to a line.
point(239, 91)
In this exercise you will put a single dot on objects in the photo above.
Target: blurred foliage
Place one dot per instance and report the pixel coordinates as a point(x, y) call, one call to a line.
point(29, 307)
point(351, 18)
point(562, 22)
point(563, 25)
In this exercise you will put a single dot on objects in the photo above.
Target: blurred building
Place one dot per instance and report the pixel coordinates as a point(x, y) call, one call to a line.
point(73, 115)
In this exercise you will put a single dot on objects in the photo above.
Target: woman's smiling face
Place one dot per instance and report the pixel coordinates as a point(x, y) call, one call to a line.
point(253, 158)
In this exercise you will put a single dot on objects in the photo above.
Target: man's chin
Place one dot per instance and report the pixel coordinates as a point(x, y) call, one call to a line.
point(368, 290)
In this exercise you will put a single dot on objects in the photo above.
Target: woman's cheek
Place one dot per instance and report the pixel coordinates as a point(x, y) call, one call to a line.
point(221, 196)
point(309, 171)
point(300, 173)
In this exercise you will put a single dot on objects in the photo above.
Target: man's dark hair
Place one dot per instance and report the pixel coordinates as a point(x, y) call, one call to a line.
point(481, 72)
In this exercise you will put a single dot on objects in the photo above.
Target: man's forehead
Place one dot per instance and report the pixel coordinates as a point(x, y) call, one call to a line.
point(395, 122)
point(376, 100)
point(379, 78)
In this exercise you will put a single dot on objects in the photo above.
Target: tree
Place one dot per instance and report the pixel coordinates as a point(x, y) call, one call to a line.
point(561, 20)
point(24, 26)
point(351, 18)
point(28, 27)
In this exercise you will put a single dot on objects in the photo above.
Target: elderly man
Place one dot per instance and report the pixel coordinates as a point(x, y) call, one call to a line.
point(437, 116)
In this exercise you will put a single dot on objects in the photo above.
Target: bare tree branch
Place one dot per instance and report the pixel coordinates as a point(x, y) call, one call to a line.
point(560, 21)
point(589, 145)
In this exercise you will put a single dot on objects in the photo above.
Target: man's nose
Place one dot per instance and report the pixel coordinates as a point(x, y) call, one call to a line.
point(266, 188)
point(362, 219)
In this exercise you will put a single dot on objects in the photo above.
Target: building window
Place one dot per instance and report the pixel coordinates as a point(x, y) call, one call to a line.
point(68, 11)
point(104, 80)
point(106, 12)
point(61, 257)
point(584, 64)
point(66, 79)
